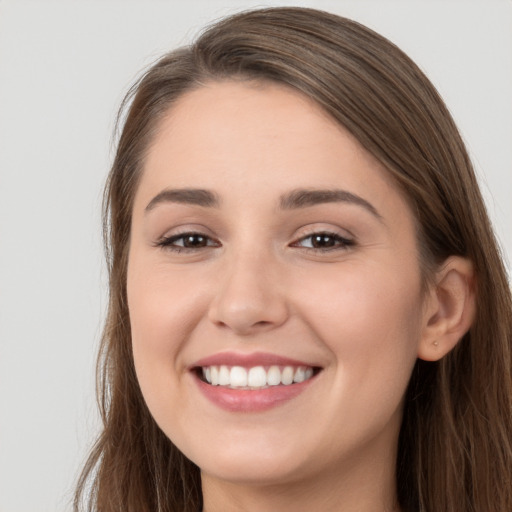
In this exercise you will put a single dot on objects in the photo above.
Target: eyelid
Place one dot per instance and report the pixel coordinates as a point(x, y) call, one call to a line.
point(343, 242)
point(167, 241)
point(182, 229)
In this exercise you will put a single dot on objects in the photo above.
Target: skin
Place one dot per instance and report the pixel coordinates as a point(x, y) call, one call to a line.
point(357, 310)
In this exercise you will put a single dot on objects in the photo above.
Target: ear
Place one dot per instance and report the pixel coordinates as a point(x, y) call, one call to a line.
point(449, 308)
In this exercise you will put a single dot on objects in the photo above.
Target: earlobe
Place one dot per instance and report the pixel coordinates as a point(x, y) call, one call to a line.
point(450, 309)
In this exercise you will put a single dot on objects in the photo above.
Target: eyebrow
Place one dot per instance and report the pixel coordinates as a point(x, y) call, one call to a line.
point(302, 198)
point(296, 199)
point(192, 196)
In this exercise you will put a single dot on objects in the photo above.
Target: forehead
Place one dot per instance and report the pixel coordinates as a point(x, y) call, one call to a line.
point(254, 138)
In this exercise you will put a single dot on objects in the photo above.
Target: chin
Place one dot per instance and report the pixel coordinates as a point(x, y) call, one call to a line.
point(259, 461)
point(254, 472)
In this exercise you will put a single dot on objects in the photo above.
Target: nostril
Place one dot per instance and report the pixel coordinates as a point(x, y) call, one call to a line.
point(263, 323)
point(243, 324)
point(246, 307)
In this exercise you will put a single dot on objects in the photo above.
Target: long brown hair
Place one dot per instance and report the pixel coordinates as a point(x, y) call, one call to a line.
point(455, 446)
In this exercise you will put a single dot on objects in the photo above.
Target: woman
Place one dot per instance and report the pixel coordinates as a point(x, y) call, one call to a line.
point(308, 310)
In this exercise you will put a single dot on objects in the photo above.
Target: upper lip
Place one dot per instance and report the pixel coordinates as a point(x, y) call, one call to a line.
point(249, 360)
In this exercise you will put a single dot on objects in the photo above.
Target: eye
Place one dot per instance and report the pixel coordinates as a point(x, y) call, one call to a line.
point(189, 241)
point(323, 241)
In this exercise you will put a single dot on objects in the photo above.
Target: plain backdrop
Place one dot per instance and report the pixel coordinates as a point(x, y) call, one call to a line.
point(64, 67)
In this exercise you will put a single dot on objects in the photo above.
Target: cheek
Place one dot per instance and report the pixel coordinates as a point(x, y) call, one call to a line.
point(372, 298)
point(164, 310)
point(150, 315)
point(371, 325)
point(370, 319)
point(164, 305)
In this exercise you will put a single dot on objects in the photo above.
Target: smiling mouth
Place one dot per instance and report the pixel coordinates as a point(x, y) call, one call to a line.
point(255, 377)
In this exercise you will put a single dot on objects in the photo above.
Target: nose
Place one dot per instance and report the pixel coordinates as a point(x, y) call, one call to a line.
point(250, 297)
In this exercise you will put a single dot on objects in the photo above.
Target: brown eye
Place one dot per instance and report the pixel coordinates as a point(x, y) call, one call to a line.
point(323, 241)
point(194, 241)
point(187, 241)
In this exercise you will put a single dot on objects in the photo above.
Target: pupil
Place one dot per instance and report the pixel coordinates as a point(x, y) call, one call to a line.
point(323, 241)
point(194, 241)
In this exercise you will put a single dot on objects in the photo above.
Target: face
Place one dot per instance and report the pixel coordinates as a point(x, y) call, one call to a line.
point(273, 286)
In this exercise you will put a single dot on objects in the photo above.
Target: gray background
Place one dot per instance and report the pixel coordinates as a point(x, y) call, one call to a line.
point(64, 67)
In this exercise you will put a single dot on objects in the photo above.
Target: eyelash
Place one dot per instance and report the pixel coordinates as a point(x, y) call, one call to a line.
point(167, 242)
point(340, 242)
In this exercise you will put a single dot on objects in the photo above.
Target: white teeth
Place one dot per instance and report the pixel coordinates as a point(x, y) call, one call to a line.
point(238, 377)
point(274, 376)
point(224, 376)
point(256, 377)
point(214, 372)
point(287, 375)
point(300, 375)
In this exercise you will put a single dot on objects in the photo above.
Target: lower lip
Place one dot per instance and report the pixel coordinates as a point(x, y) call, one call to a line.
point(246, 400)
